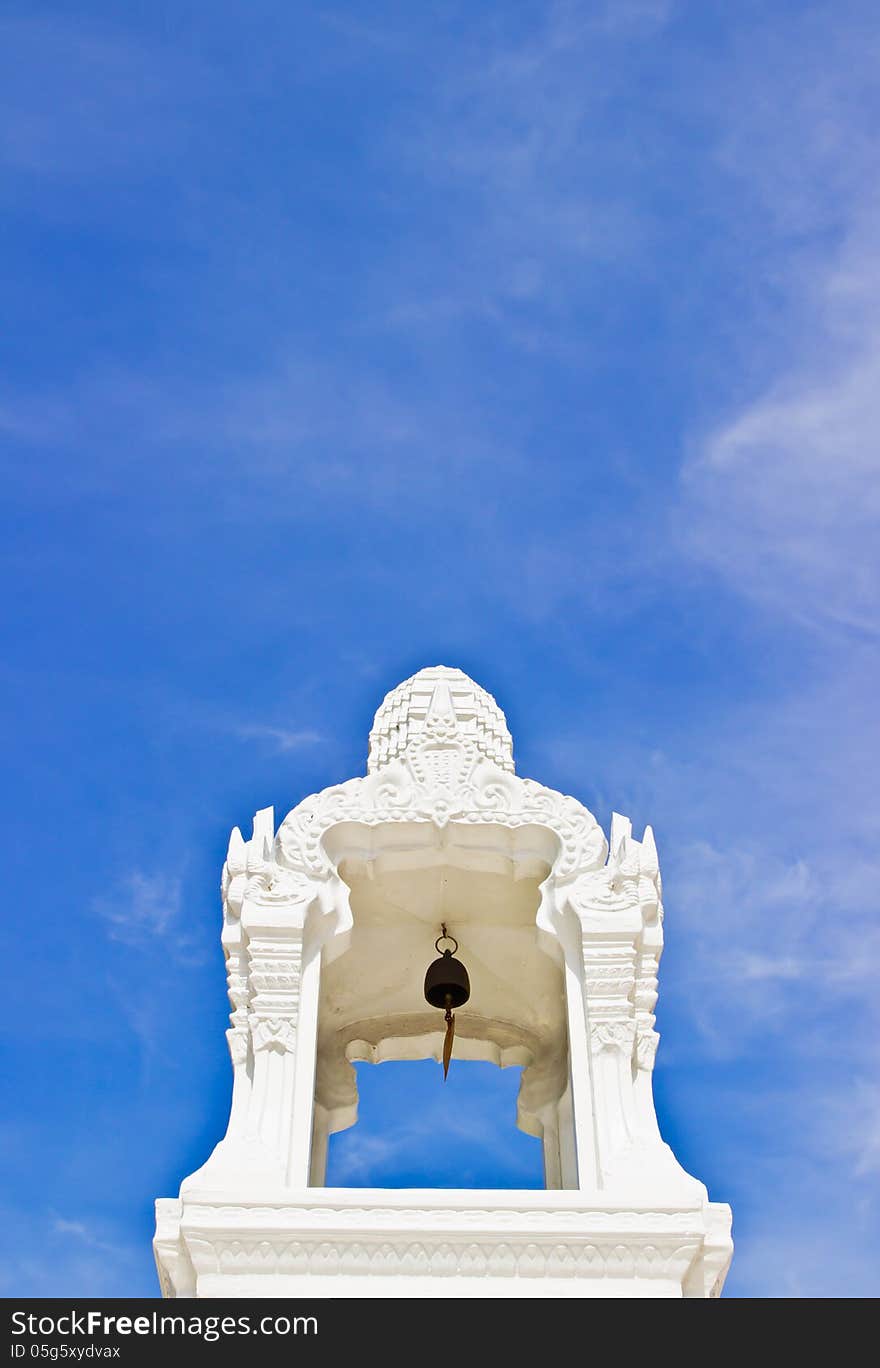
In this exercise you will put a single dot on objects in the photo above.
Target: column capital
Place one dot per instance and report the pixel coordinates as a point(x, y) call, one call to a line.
point(613, 1035)
point(237, 1040)
point(647, 1040)
point(273, 1033)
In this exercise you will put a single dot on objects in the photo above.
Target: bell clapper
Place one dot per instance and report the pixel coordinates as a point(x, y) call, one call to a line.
point(450, 1036)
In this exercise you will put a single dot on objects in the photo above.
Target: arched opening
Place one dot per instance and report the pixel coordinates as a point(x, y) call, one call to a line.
point(483, 881)
point(414, 1130)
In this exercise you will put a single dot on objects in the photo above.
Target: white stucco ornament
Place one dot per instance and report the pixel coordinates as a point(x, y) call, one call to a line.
point(328, 925)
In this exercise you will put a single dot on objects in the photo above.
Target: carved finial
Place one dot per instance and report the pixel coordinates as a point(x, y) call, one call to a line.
point(649, 865)
point(441, 710)
point(264, 826)
point(236, 855)
point(621, 827)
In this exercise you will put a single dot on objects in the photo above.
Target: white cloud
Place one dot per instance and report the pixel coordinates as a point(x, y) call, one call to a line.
point(273, 444)
point(632, 16)
point(518, 127)
point(281, 738)
point(784, 499)
point(60, 1257)
point(775, 905)
point(782, 496)
point(117, 107)
point(82, 1233)
point(767, 816)
point(765, 921)
point(788, 1253)
point(64, 1227)
point(142, 907)
point(867, 1136)
point(146, 912)
point(364, 1154)
point(848, 1119)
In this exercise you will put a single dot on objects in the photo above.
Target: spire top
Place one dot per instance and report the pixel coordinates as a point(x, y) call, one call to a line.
point(439, 701)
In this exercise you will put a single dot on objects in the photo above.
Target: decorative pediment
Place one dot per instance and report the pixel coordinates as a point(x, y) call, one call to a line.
point(430, 762)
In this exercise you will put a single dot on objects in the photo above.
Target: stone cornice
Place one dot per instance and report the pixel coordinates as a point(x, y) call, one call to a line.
point(485, 1237)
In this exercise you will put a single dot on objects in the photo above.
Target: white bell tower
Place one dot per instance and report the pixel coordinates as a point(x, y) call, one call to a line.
point(328, 927)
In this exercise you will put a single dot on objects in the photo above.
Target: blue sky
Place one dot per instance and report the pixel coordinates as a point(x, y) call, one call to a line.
point(537, 339)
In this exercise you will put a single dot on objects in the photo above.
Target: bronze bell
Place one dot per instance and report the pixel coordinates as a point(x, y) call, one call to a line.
point(446, 982)
point(446, 986)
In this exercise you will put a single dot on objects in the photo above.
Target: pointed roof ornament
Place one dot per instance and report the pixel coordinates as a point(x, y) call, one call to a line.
point(440, 717)
point(439, 700)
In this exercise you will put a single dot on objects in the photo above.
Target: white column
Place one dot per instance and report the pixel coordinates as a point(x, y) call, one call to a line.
point(275, 953)
point(238, 1036)
point(643, 1085)
point(581, 1065)
point(567, 1146)
point(645, 997)
point(303, 1100)
point(549, 1118)
point(609, 976)
point(320, 1142)
point(237, 1040)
